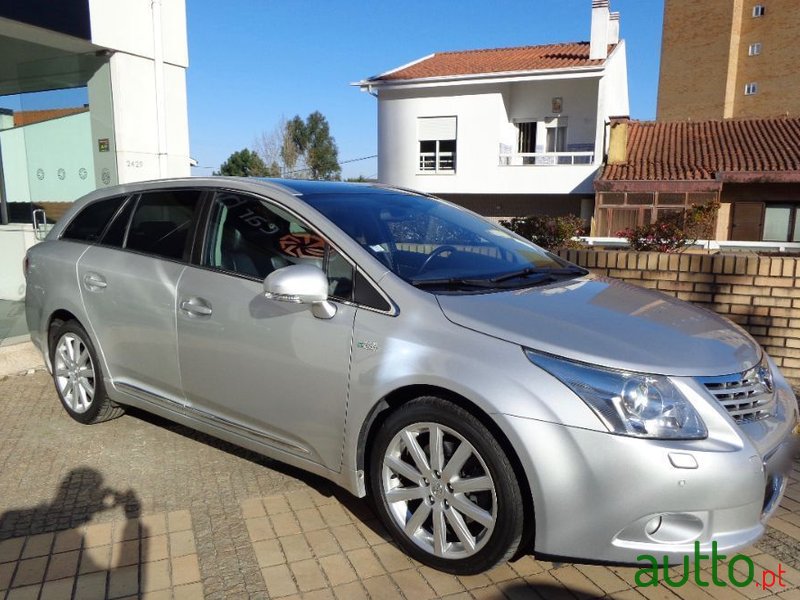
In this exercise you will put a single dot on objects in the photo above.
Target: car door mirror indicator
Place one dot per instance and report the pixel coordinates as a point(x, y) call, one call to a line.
point(301, 284)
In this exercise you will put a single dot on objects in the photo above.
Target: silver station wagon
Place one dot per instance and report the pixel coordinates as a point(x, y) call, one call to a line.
point(491, 398)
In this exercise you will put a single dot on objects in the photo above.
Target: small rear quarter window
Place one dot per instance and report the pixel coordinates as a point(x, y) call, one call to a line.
point(89, 224)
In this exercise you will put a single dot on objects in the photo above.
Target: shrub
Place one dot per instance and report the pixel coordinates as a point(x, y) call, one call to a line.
point(548, 232)
point(674, 231)
point(665, 235)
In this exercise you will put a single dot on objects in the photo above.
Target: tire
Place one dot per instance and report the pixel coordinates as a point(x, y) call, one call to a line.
point(77, 375)
point(460, 511)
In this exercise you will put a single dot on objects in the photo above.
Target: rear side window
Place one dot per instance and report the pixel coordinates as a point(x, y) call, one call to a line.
point(90, 223)
point(162, 222)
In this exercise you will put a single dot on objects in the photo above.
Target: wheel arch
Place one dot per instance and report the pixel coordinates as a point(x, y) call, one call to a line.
point(396, 398)
point(62, 315)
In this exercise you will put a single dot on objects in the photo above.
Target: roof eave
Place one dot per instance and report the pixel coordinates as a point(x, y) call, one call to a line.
point(481, 77)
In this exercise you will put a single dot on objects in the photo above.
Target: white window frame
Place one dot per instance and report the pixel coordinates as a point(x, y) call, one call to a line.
point(755, 49)
point(438, 161)
point(750, 89)
point(759, 10)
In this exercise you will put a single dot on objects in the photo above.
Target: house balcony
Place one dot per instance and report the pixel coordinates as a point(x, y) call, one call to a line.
point(546, 159)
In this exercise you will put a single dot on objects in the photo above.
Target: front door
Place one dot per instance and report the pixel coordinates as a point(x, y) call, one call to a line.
point(268, 370)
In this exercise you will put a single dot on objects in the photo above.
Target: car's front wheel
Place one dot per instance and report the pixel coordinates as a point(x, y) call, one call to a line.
point(77, 375)
point(444, 487)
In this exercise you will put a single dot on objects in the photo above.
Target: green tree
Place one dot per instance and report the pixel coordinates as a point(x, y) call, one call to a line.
point(246, 163)
point(301, 148)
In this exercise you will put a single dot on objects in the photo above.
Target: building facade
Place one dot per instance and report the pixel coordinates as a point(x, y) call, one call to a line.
point(506, 131)
point(92, 93)
point(725, 59)
point(751, 166)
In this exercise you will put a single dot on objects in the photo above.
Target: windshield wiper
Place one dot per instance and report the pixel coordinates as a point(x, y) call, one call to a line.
point(540, 273)
point(532, 275)
point(452, 282)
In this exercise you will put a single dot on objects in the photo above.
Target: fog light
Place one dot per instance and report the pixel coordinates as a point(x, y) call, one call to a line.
point(653, 525)
point(674, 528)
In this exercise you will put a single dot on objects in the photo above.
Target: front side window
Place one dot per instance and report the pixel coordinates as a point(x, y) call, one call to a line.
point(759, 10)
point(162, 222)
point(248, 237)
point(435, 245)
point(89, 224)
point(750, 89)
point(437, 144)
point(755, 49)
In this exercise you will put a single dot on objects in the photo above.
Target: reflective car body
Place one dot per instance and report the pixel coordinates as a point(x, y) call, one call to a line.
point(204, 347)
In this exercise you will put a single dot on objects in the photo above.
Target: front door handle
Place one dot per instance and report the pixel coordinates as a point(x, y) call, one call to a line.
point(94, 282)
point(197, 307)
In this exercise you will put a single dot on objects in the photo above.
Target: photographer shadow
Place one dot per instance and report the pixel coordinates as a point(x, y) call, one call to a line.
point(62, 549)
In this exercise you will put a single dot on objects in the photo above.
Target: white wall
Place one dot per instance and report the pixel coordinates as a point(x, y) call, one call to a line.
point(612, 100)
point(14, 242)
point(127, 26)
point(485, 116)
point(148, 97)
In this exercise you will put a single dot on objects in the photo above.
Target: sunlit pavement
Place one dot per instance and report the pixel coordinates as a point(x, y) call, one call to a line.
point(140, 507)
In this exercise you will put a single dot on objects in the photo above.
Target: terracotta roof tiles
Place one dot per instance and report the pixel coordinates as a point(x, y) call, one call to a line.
point(689, 150)
point(497, 60)
point(29, 117)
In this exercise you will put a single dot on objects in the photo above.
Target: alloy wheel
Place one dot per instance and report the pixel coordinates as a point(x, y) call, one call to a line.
point(74, 372)
point(439, 490)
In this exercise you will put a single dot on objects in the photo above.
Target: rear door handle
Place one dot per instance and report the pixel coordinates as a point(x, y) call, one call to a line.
point(94, 282)
point(197, 307)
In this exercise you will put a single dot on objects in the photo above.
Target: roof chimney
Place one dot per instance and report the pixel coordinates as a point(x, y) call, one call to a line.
point(598, 46)
point(613, 28)
point(618, 141)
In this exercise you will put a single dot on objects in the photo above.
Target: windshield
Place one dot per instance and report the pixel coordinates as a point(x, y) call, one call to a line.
point(433, 244)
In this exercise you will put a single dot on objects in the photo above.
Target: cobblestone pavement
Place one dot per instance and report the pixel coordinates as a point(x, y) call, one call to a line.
point(140, 507)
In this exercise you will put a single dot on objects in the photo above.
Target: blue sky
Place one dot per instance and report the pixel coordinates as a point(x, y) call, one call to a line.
point(253, 61)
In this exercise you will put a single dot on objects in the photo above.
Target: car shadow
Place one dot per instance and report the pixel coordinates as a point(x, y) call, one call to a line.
point(63, 545)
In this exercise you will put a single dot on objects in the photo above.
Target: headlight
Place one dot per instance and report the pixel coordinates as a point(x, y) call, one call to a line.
point(634, 404)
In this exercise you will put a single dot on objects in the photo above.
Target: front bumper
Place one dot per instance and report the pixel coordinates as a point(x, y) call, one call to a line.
point(612, 498)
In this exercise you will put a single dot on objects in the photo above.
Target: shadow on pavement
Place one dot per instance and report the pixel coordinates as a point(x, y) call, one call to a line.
point(58, 545)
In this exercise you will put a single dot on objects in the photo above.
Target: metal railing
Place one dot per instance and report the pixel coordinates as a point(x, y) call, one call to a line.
point(546, 159)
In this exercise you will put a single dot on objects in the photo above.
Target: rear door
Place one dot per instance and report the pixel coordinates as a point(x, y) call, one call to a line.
point(128, 285)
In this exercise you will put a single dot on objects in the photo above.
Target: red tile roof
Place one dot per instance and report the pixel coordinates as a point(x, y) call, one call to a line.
point(29, 117)
point(497, 60)
point(686, 150)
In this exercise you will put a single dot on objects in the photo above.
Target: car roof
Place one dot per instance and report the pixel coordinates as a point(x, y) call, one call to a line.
point(294, 187)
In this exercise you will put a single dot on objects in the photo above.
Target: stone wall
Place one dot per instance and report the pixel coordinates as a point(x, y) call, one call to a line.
point(760, 293)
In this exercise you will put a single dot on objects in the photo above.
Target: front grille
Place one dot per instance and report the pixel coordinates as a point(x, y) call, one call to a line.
point(746, 396)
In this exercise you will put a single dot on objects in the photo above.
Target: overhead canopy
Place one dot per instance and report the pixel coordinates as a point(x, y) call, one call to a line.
point(35, 59)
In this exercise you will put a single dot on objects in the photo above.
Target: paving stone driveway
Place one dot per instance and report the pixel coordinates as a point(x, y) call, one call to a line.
point(140, 507)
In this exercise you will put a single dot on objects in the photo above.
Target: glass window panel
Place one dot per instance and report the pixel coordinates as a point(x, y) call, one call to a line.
point(162, 222)
point(89, 224)
point(776, 223)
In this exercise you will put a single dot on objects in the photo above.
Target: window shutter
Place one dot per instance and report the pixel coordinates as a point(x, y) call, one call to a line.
point(436, 128)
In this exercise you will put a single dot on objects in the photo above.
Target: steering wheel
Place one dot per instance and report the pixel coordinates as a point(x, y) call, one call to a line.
point(434, 254)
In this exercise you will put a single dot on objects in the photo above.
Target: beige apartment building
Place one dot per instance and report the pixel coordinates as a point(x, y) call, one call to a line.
point(722, 59)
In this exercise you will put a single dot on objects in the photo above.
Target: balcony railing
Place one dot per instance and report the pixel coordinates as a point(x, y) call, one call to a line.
point(546, 159)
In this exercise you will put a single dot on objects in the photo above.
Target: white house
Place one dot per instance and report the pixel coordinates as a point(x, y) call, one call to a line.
point(505, 131)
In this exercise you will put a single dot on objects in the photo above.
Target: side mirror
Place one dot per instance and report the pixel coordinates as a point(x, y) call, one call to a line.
point(301, 284)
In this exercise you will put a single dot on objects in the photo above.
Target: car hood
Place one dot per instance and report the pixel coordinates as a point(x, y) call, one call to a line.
point(609, 323)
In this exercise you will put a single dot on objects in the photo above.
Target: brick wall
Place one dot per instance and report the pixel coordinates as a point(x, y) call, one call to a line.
point(760, 293)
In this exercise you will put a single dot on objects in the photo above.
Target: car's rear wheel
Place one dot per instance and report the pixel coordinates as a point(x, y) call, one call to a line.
point(444, 487)
point(77, 375)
